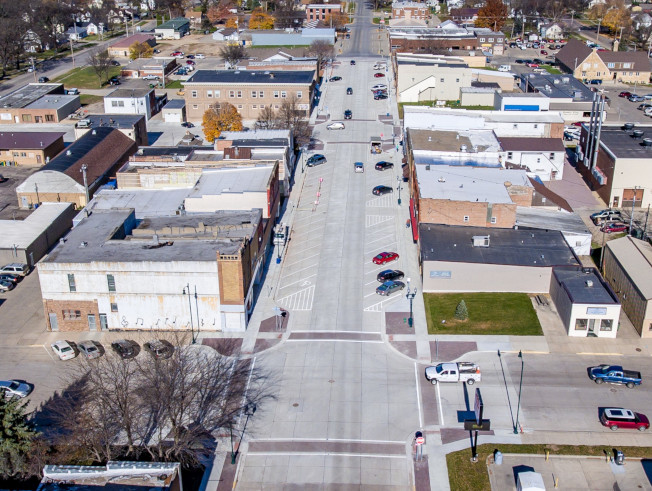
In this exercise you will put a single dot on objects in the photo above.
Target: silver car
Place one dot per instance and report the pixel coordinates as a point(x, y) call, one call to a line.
point(88, 349)
point(14, 388)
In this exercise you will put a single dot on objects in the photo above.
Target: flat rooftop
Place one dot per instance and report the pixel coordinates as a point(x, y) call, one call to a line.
point(584, 285)
point(232, 180)
point(52, 101)
point(541, 248)
point(262, 135)
point(129, 93)
point(622, 145)
point(113, 120)
point(559, 86)
point(273, 77)
point(635, 257)
point(543, 218)
point(22, 233)
point(29, 140)
point(27, 94)
point(175, 104)
point(453, 140)
point(456, 183)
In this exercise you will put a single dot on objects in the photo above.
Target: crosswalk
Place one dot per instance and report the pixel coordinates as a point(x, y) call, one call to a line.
point(299, 300)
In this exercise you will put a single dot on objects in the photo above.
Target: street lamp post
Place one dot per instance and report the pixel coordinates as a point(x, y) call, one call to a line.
point(249, 410)
point(304, 149)
point(410, 296)
point(186, 291)
point(520, 387)
point(398, 179)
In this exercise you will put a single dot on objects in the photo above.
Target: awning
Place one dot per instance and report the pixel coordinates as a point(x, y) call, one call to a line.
point(413, 221)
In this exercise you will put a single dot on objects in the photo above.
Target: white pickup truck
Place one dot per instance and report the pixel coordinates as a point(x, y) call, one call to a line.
point(454, 372)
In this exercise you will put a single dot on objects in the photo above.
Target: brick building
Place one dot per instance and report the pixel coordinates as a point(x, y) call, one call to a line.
point(29, 148)
point(321, 11)
point(410, 10)
point(248, 90)
point(37, 103)
point(448, 36)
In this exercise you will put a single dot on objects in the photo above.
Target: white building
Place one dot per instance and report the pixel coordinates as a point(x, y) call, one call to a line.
point(540, 157)
point(130, 101)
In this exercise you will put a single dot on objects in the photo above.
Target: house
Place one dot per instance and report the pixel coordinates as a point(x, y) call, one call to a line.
point(75, 174)
point(227, 34)
point(540, 157)
point(132, 125)
point(27, 241)
point(480, 259)
point(78, 31)
point(142, 67)
point(448, 36)
point(552, 30)
point(195, 17)
point(131, 101)
point(641, 20)
point(628, 269)
point(173, 29)
point(410, 10)
point(29, 148)
point(249, 91)
point(585, 303)
point(37, 103)
point(321, 11)
point(620, 172)
point(591, 64)
point(121, 48)
point(464, 15)
point(157, 476)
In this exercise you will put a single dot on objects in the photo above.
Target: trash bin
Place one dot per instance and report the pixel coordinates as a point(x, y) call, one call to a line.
point(498, 457)
point(619, 458)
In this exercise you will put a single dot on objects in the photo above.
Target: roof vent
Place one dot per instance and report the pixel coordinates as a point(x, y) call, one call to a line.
point(628, 126)
point(441, 179)
point(430, 138)
point(83, 244)
point(428, 167)
point(481, 240)
point(237, 71)
point(68, 153)
point(474, 148)
point(565, 79)
point(462, 148)
point(588, 283)
point(637, 134)
point(555, 81)
point(94, 132)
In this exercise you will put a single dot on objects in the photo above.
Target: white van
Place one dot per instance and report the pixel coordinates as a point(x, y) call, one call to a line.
point(504, 68)
point(16, 268)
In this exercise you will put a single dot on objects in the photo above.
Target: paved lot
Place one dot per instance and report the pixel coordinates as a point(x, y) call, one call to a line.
point(572, 473)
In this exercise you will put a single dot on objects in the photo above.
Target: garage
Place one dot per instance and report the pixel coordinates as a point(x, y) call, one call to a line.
point(175, 111)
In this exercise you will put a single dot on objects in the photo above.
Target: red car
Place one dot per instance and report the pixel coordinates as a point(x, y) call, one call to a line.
point(533, 65)
point(618, 417)
point(577, 123)
point(614, 227)
point(385, 257)
point(379, 75)
point(624, 93)
point(190, 62)
point(544, 52)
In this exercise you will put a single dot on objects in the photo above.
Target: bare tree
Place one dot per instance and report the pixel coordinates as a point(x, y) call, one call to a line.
point(232, 54)
point(287, 15)
point(101, 61)
point(322, 50)
point(266, 117)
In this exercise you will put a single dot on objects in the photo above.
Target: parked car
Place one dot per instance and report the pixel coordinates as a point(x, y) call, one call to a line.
point(454, 372)
point(6, 285)
point(606, 215)
point(352, 62)
point(624, 93)
point(390, 275)
point(380, 190)
point(190, 57)
point(200, 56)
point(159, 348)
point(349, 91)
point(378, 97)
point(150, 77)
point(63, 350)
point(89, 349)
point(636, 98)
point(595, 81)
point(335, 79)
point(612, 227)
point(20, 269)
point(338, 125)
point(533, 65)
point(14, 388)
point(114, 81)
point(316, 160)
point(187, 124)
point(190, 62)
point(544, 52)
point(117, 63)
point(389, 287)
point(43, 80)
point(10, 277)
point(358, 167)
point(176, 53)
point(644, 106)
point(618, 417)
point(385, 257)
point(125, 348)
point(384, 165)
point(379, 75)
point(348, 114)
point(379, 87)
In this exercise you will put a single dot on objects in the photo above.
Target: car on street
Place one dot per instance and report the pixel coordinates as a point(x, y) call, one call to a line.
point(316, 160)
point(6, 285)
point(20, 269)
point(595, 81)
point(358, 167)
point(615, 374)
point(150, 77)
point(43, 80)
point(63, 350)
point(379, 87)
point(390, 275)
point(380, 190)
point(159, 348)
point(378, 97)
point(200, 56)
point(125, 348)
point(114, 81)
point(384, 165)
point(190, 57)
point(352, 62)
point(190, 62)
point(335, 79)
point(533, 65)
point(88, 349)
point(606, 215)
point(618, 417)
point(337, 125)
point(385, 257)
point(348, 114)
point(14, 388)
point(349, 91)
point(390, 287)
point(613, 227)
point(519, 61)
point(624, 93)
point(379, 75)
point(187, 124)
point(176, 53)
point(636, 98)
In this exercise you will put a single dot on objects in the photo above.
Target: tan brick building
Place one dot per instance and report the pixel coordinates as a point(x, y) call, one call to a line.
point(29, 148)
point(121, 47)
point(410, 10)
point(37, 103)
point(248, 90)
point(321, 11)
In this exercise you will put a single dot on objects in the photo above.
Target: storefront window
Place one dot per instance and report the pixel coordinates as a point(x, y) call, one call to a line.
point(580, 324)
point(606, 324)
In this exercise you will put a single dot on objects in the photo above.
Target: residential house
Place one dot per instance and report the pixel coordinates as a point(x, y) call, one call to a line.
point(195, 17)
point(540, 157)
point(464, 15)
point(320, 11)
point(227, 34)
point(77, 31)
point(132, 125)
point(121, 48)
point(173, 29)
point(37, 103)
point(591, 64)
point(75, 174)
point(29, 148)
point(552, 30)
point(620, 173)
point(131, 101)
point(141, 67)
point(410, 10)
point(249, 91)
point(628, 269)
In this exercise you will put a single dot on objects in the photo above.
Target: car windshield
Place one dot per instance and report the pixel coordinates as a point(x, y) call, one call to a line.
point(65, 348)
point(14, 385)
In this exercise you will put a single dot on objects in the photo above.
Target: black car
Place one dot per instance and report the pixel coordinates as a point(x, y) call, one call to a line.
point(9, 277)
point(114, 81)
point(378, 97)
point(383, 164)
point(187, 124)
point(191, 57)
point(335, 79)
point(159, 348)
point(125, 348)
point(115, 63)
point(43, 80)
point(380, 190)
point(348, 114)
point(538, 61)
point(519, 61)
point(316, 160)
point(349, 91)
point(389, 275)
point(352, 62)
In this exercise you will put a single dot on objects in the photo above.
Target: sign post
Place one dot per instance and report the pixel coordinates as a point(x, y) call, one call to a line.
point(477, 424)
point(419, 440)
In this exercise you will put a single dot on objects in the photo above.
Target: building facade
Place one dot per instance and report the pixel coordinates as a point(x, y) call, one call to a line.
point(131, 101)
point(321, 11)
point(29, 148)
point(410, 10)
point(448, 36)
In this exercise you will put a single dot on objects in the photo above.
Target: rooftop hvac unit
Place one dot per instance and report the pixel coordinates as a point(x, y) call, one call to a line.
point(462, 148)
point(589, 283)
point(481, 240)
point(628, 126)
point(637, 134)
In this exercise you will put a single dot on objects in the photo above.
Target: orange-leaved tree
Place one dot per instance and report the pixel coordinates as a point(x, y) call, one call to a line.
point(337, 20)
point(493, 15)
point(217, 120)
point(260, 20)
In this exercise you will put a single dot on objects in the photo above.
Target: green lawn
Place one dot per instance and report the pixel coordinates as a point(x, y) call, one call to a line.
point(376, 20)
point(551, 69)
point(84, 77)
point(489, 314)
point(175, 84)
point(465, 475)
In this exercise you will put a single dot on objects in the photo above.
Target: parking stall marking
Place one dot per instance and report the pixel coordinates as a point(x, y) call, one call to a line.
point(300, 300)
point(381, 248)
point(373, 220)
point(378, 307)
point(298, 270)
point(302, 281)
point(385, 201)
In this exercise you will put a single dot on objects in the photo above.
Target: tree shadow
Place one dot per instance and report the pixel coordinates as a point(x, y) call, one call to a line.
point(47, 416)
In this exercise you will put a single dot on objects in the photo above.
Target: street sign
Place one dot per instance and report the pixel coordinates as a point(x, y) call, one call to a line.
point(478, 407)
point(420, 441)
point(472, 425)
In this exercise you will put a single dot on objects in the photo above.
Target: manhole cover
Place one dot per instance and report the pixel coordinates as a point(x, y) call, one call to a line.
point(331, 381)
point(296, 404)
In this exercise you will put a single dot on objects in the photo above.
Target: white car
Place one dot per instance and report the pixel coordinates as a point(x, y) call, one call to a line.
point(336, 126)
point(63, 350)
point(14, 388)
point(199, 56)
point(150, 77)
point(379, 87)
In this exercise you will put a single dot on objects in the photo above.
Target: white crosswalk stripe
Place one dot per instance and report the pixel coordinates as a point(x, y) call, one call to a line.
point(299, 300)
point(384, 201)
point(378, 307)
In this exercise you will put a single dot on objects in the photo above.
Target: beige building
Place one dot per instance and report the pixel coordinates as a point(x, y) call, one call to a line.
point(37, 103)
point(409, 10)
point(628, 269)
point(120, 48)
point(249, 91)
point(29, 148)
